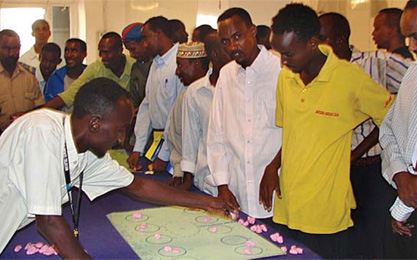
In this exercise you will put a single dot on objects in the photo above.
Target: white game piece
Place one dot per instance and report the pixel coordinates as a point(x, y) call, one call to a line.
point(17, 248)
point(207, 219)
point(250, 243)
point(284, 248)
point(158, 236)
point(176, 250)
point(137, 215)
point(167, 249)
point(213, 229)
point(39, 245)
point(247, 251)
point(251, 220)
point(32, 250)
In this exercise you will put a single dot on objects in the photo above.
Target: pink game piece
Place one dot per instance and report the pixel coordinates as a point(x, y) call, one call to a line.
point(176, 250)
point(247, 251)
point(39, 245)
point(294, 247)
point(233, 215)
point(293, 251)
point(273, 237)
point(264, 228)
point(17, 248)
point(251, 220)
point(213, 229)
point(299, 250)
point(280, 240)
point(137, 215)
point(167, 249)
point(158, 236)
point(144, 225)
point(246, 223)
point(284, 248)
point(32, 250)
point(207, 219)
point(250, 243)
point(241, 221)
point(28, 245)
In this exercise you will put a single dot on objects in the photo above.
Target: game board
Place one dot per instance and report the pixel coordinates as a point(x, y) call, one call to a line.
point(190, 235)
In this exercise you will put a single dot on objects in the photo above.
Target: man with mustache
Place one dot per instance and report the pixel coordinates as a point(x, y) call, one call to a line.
point(74, 53)
point(113, 65)
point(19, 90)
point(242, 135)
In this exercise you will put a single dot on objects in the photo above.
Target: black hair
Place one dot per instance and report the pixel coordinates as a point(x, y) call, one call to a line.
point(51, 47)
point(39, 21)
point(83, 45)
point(161, 23)
point(262, 31)
point(98, 97)
point(203, 31)
point(411, 4)
point(240, 12)
point(177, 27)
point(340, 24)
point(297, 18)
point(8, 32)
point(393, 17)
point(115, 36)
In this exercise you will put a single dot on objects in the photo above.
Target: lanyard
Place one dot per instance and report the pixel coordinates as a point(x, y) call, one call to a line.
point(75, 209)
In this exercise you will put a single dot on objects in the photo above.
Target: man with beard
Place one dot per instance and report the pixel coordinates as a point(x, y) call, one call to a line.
point(113, 65)
point(74, 53)
point(19, 90)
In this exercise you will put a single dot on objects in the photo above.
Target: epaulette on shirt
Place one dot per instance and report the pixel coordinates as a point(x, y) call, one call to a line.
point(28, 67)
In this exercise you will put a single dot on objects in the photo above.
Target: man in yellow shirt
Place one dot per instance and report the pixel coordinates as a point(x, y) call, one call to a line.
point(320, 100)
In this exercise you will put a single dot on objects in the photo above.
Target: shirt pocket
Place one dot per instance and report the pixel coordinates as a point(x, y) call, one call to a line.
point(265, 109)
point(30, 96)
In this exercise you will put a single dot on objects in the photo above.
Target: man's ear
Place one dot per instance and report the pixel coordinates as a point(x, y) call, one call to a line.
point(94, 124)
point(253, 29)
point(314, 42)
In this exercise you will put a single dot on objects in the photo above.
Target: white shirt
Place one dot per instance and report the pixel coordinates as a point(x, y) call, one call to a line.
point(398, 132)
point(30, 57)
point(173, 135)
point(32, 179)
point(242, 137)
point(388, 70)
point(40, 79)
point(195, 120)
point(162, 89)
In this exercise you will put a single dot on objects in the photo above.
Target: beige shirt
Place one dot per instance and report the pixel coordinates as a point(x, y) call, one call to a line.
point(19, 93)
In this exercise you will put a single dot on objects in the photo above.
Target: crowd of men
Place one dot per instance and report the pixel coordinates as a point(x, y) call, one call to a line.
point(289, 124)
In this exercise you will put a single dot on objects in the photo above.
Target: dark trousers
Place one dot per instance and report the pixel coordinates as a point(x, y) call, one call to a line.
point(374, 197)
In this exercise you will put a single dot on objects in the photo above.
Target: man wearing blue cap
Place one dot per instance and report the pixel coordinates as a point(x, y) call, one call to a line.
point(133, 42)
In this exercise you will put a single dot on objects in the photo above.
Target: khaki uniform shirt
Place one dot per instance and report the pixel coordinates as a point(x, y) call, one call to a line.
point(19, 93)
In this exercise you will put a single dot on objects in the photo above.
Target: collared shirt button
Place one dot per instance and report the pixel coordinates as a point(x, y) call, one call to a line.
point(302, 100)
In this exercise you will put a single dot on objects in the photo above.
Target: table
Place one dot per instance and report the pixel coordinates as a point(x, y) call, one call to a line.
point(98, 236)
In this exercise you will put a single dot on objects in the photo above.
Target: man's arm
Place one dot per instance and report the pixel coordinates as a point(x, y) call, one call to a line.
point(158, 193)
point(270, 182)
point(370, 141)
point(56, 230)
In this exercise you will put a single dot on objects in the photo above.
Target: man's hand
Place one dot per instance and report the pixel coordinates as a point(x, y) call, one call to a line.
point(269, 184)
point(174, 181)
point(401, 228)
point(159, 165)
point(221, 206)
point(133, 161)
point(183, 183)
point(228, 196)
point(407, 188)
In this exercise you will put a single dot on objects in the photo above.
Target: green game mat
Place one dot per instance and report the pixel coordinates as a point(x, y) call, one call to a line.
point(195, 235)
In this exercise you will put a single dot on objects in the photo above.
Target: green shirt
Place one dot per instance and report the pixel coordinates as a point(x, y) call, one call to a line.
point(138, 78)
point(96, 70)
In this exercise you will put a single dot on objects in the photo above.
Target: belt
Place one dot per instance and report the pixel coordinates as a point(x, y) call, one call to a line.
point(371, 160)
point(158, 130)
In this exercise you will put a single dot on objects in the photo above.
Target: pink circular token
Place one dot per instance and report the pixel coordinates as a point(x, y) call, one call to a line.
point(294, 247)
point(245, 223)
point(144, 225)
point(28, 245)
point(293, 251)
point(241, 221)
point(167, 249)
point(273, 237)
point(32, 250)
point(176, 250)
point(264, 228)
point(280, 240)
point(233, 216)
point(284, 248)
point(207, 219)
point(251, 220)
point(299, 250)
point(214, 229)
point(158, 236)
point(44, 249)
point(137, 215)
point(250, 243)
point(247, 251)
point(17, 248)
point(39, 245)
